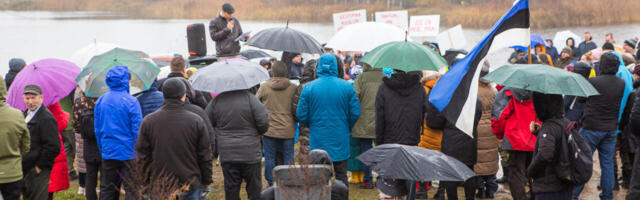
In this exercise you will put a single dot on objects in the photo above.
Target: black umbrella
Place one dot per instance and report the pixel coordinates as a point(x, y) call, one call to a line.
point(254, 53)
point(285, 39)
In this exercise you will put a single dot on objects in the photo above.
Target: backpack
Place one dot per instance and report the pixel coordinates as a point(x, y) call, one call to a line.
point(86, 124)
point(575, 158)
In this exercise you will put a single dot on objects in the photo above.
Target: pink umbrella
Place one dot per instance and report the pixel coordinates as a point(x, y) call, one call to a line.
point(55, 77)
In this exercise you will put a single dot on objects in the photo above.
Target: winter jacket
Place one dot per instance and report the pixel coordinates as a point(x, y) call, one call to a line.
point(278, 96)
point(329, 106)
point(225, 38)
point(117, 117)
point(366, 86)
point(14, 139)
point(400, 108)
point(45, 145)
point(634, 116)
point(59, 176)
point(456, 143)
point(15, 66)
point(542, 168)
point(601, 111)
point(150, 100)
point(553, 53)
point(296, 70)
point(586, 46)
point(564, 62)
point(239, 120)
point(487, 143)
point(511, 115)
point(190, 106)
point(83, 112)
point(67, 103)
point(308, 75)
point(177, 141)
point(430, 138)
point(572, 107)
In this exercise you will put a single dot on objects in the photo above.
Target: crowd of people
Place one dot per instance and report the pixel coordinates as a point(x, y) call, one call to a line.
point(340, 109)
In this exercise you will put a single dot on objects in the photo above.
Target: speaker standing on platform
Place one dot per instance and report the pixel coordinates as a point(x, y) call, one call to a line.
point(224, 30)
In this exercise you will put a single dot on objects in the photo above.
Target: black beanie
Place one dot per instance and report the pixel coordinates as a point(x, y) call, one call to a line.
point(228, 8)
point(608, 46)
point(173, 89)
point(609, 63)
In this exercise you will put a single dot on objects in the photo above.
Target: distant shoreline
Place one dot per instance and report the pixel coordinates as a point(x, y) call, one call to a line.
point(544, 13)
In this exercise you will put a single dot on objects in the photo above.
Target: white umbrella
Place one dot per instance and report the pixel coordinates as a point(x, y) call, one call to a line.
point(365, 36)
point(561, 38)
point(164, 72)
point(83, 55)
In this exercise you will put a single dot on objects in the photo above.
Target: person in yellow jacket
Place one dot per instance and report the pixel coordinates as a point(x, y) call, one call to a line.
point(430, 138)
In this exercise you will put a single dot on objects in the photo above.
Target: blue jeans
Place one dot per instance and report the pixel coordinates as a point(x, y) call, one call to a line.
point(195, 194)
point(604, 142)
point(366, 144)
point(488, 182)
point(271, 146)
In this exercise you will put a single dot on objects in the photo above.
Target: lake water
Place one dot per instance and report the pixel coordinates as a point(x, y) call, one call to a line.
point(36, 35)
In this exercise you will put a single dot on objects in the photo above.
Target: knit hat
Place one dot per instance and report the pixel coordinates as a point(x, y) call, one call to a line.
point(631, 42)
point(173, 89)
point(566, 50)
point(228, 8)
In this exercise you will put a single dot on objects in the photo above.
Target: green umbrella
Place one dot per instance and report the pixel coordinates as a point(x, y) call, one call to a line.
point(404, 55)
point(143, 71)
point(543, 79)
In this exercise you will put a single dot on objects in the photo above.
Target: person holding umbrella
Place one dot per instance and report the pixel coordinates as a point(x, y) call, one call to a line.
point(224, 30)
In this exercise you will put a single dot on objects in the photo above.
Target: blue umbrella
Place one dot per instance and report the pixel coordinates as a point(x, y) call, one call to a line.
point(535, 40)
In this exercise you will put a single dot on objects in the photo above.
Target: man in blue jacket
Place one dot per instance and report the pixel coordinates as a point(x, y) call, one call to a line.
point(150, 100)
point(117, 119)
point(329, 106)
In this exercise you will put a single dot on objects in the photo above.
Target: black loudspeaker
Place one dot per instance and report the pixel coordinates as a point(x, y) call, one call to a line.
point(196, 40)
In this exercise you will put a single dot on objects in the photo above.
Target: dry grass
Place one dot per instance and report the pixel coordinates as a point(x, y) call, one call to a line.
point(469, 13)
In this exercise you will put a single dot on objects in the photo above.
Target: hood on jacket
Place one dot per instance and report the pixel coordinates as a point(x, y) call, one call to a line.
point(520, 94)
point(3, 92)
point(609, 63)
point(154, 86)
point(309, 71)
point(327, 66)
point(117, 78)
point(279, 69)
point(16, 65)
point(548, 106)
point(582, 68)
point(402, 83)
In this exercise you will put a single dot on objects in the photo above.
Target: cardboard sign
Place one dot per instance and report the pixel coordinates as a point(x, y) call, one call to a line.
point(452, 38)
point(424, 25)
point(343, 19)
point(398, 18)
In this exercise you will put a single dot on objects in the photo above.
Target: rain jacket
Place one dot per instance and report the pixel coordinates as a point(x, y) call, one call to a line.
point(430, 138)
point(400, 108)
point(511, 116)
point(225, 38)
point(366, 86)
point(487, 142)
point(14, 139)
point(329, 106)
point(239, 120)
point(45, 146)
point(117, 117)
point(278, 96)
point(59, 177)
point(150, 100)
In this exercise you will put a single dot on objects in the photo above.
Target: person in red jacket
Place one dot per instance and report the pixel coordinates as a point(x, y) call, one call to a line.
point(59, 178)
point(511, 116)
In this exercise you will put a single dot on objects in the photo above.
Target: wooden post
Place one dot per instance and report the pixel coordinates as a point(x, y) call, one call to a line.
point(529, 53)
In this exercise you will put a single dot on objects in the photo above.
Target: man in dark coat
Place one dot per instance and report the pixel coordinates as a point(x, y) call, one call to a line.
point(150, 100)
point(15, 66)
point(601, 120)
point(191, 94)
point(224, 30)
point(546, 182)
point(586, 45)
point(552, 51)
point(400, 107)
point(177, 141)
point(458, 145)
point(45, 145)
point(634, 126)
point(240, 121)
point(178, 69)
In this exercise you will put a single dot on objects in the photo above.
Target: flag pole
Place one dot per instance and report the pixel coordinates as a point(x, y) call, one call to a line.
point(529, 53)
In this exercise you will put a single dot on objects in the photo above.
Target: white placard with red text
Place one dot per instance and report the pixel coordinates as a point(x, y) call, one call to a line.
point(398, 18)
point(343, 19)
point(424, 25)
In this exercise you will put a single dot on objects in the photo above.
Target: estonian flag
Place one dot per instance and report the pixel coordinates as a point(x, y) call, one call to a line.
point(455, 94)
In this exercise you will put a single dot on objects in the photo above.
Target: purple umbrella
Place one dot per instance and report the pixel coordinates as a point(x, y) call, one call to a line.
point(55, 77)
